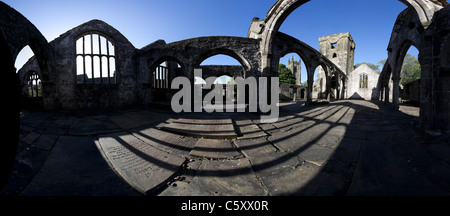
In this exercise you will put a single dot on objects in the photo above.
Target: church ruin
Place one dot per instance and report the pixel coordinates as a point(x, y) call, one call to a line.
point(93, 67)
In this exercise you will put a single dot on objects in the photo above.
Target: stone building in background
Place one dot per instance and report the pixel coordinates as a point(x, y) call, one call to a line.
point(296, 68)
point(340, 49)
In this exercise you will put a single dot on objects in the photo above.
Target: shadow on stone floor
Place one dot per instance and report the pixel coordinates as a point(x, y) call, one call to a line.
point(344, 148)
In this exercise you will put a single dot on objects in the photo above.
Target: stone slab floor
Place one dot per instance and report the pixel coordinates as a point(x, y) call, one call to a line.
point(347, 147)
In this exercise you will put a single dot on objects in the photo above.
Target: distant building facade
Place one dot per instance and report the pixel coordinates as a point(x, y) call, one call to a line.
point(296, 68)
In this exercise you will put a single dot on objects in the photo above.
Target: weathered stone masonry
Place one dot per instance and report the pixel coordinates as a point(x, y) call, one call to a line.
point(424, 24)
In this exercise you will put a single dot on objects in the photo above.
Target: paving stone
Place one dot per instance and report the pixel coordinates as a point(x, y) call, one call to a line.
point(143, 166)
point(287, 183)
point(76, 168)
point(134, 119)
point(30, 138)
point(225, 178)
point(165, 141)
point(441, 151)
point(177, 187)
point(268, 128)
point(316, 154)
point(255, 147)
point(287, 123)
point(332, 180)
point(28, 163)
point(274, 162)
point(45, 142)
point(348, 150)
point(248, 130)
point(93, 125)
point(380, 171)
point(296, 139)
point(215, 149)
point(59, 125)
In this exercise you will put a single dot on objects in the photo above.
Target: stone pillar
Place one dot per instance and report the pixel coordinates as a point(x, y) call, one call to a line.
point(338, 87)
point(380, 94)
point(396, 92)
point(328, 89)
point(309, 90)
point(386, 94)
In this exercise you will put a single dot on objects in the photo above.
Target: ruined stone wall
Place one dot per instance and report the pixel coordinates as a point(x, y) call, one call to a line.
point(441, 71)
point(190, 53)
point(292, 92)
point(92, 96)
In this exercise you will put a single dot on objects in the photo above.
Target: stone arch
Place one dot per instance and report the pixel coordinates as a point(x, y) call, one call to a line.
point(400, 57)
point(303, 57)
point(224, 51)
point(165, 58)
point(153, 92)
point(267, 29)
point(16, 32)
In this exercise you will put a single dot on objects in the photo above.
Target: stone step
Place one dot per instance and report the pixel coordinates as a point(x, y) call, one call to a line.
point(220, 128)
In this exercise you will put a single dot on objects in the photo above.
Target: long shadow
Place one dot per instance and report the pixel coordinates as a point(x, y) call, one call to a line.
point(229, 172)
point(345, 168)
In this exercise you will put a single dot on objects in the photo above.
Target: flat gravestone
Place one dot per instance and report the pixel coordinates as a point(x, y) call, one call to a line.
point(141, 165)
point(202, 128)
point(214, 148)
point(165, 141)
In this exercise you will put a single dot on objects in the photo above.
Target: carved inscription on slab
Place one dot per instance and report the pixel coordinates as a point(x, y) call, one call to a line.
point(141, 165)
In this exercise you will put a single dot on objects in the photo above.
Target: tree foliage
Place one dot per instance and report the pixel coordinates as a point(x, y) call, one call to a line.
point(285, 75)
point(410, 69)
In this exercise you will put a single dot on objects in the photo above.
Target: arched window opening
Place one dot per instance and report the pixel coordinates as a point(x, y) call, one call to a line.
point(34, 84)
point(164, 73)
point(319, 86)
point(24, 55)
point(410, 75)
point(296, 66)
point(223, 68)
point(95, 59)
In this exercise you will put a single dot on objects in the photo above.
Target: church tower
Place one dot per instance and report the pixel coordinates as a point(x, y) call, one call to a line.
point(340, 49)
point(296, 68)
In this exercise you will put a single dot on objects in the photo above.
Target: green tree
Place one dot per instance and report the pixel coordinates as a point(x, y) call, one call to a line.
point(285, 75)
point(410, 69)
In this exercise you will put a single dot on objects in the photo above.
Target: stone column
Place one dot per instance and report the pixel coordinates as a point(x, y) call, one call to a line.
point(396, 92)
point(328, 88)
point(338, 87)
point(309, 90)
point(386, 94)
point(380, 94)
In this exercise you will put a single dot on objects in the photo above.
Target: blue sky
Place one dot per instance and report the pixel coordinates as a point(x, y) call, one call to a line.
point(369, 22)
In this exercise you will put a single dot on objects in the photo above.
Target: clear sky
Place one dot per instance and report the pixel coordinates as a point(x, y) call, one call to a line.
point(369, 22)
